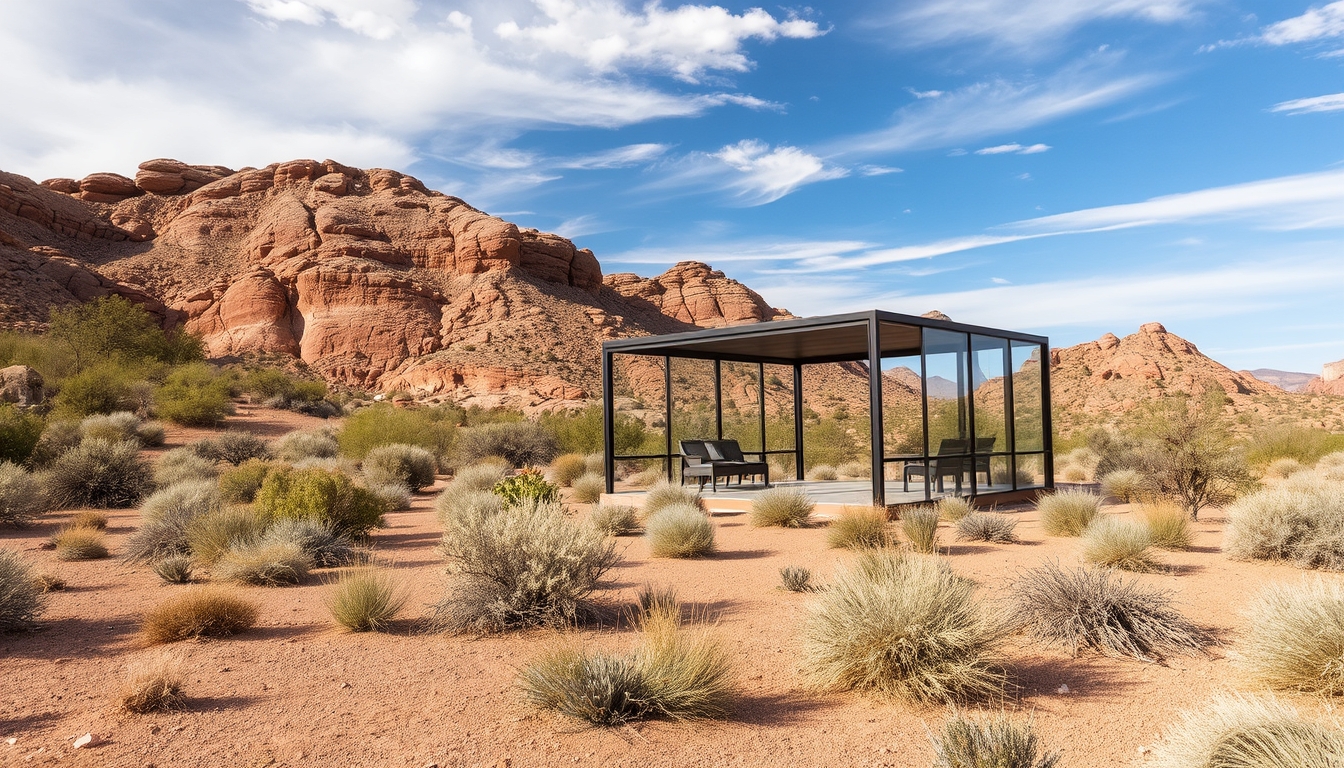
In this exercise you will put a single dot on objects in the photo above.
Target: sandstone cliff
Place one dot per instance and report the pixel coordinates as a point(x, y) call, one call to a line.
point(1330, 382)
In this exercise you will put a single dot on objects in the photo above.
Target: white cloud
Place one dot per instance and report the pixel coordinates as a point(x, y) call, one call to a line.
point(751, 171)
point(726, 251)
point(1014, 149)
point(1333, 102)
point(924, 94)
point(619, 157)
point(1000, 281)
point(685, 41)
point(587, 224)
point(1021, 24)
point(379, 19)
point(1316, 24)
point(877, 170)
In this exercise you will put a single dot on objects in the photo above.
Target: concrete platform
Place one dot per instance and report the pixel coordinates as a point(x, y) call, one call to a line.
point(831, 496)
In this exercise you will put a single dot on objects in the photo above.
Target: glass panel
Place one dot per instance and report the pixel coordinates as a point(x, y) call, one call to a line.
point(779, 419)
point(1031, 471)
point(990, 395)
point(1028, 416)
point(902, 403)
point(637, 381)
point(742, 404)
point(835, 417)
point(692, 405)
point(946, 386)
point(633, 475)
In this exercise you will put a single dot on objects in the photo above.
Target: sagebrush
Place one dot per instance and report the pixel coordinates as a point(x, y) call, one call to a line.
point(1294, 638)
point(21, 496)
point(1068, 513)
point(22, 599)
point(99, 473)
point(782, 507)
point(1301, 521)
point(680, 530)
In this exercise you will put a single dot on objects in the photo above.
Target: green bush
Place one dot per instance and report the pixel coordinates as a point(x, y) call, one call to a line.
point(858, 527)
point(365, 600)
point(525, 487)
point(112, 328)
point(920, 526)
point(907, 627)
point(280, 390)
point(194, 395)
point(1290, 441)
point(19, 433)
point(1248, 732)
point(316, 494)
point(102, 388)
point(21, 599)
point(581, 431)
point(300, 444)
point(1294, 638)
point(1068, 513)
point(409, 465)
point(996, 743)
point(239, 485)
point(433, 429)
point(59, 436)
point(522, 444)
point(99, 474)
point(680, 530)
point(232, 448)
point(782, 507)
point(525, 565)
point(21, 499)
point(211, 534)
point(1301, 520)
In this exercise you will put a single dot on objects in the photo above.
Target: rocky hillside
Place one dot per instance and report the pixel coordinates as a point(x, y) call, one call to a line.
point(1330, 382)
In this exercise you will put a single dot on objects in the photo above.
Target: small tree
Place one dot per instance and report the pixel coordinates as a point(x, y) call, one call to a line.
point(1189, 457)
point(114, 328)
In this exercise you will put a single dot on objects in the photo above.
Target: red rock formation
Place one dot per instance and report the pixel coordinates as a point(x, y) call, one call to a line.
point(1330, 382)
point(696, 293)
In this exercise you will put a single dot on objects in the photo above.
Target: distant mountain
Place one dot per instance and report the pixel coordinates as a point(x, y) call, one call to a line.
point(1288, 381)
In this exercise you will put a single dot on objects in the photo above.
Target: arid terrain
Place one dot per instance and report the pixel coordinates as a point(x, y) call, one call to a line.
point(296, 691)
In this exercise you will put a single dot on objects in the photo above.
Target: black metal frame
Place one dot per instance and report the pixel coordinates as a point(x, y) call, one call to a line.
point(684, 346)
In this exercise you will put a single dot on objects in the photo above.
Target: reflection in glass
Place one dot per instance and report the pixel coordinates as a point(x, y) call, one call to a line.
point(779, 419)
point(945, 358)
point(902, 401)
point(741, 387)
point(1028, 421)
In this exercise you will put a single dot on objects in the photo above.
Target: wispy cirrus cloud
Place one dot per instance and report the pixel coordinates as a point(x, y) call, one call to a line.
point(1315, 25)
point(751, 172)
point(1332, 102)
point(1014, 149)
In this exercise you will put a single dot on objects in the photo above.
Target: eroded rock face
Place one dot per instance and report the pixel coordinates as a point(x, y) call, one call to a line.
point(696, 293)
point(1330, 382)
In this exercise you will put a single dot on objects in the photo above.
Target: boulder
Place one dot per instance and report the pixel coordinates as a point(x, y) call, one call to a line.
point(21, 386)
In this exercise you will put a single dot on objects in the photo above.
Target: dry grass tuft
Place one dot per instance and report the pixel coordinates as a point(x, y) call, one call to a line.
point(1168, 526)
point(1098, 610)
point(49, 582)
point(782, 507)
point(1068, 513)
point(953, 508)
point(858, 527)
point(614, 520)
point(264, 565)
point(1295, 638)
point(214, 533)
point(680, 530)
point(823, 472)
point(153, 685)
point(1284, 468)
point(72, 543)
point(366, 600)
point(1301, 520)
point(174, 570)
point(987, 526)
point(566, 468)
point(199, 612)
point(920, 526)
point(89, 519)
point(22, 598)
point(647, 478)
point(656, 601)
point(997, 742)
point(793, 578)
point(1248, 732)
point(1122, 484)
point(1114, 543)
point(588, 488)
point(904, 627)
point(855, 470)
point(665, 493)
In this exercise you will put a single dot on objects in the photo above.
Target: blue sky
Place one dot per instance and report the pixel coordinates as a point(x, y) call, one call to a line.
point(1067, 167)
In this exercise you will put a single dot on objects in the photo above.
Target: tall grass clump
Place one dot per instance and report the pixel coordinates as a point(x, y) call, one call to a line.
point(305, 444)
point(73, 543)
point(207, 611)
point(99, 473)
point(793, 578)
point(1290, 441)
point(1068, 513)
point(920, 526)
point(1237, 731)
point(614, 520)
point(479, 477)
point(89, 518)
point(181, 465)
point(782, 507)
point(174, 570)
point(21, 499)
point(316, 494)
point(366, 600)
point(211, 534)
point(987, 526)
point(647, 478)
point(567, 468)
point(1122, 484)
point(1168, 526)
point(153, 685)
point(1295, 638)
point(1301, 521)
point(1114, 543)
point(996, 742)
point(680, 530)
point(526, 565)
point(323, 545)
point(588, 489)
point(191, 498)
point(232, 448)
point(22, 600)
point(903, 627)
point(953, 508)
point(1095, 609)
point(409, 465)
point(858, 527)
point(855, 470)
point(263, 564)
point(666, 493)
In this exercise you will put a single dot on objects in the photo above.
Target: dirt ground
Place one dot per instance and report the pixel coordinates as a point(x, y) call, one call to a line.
point(295, 691)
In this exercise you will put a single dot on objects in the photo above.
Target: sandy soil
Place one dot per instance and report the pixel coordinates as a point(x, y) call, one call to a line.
point(295, 691)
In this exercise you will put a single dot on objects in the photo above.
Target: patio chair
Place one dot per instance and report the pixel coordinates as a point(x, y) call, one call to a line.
point(713, 459)
point(940, 466)
point(980, 463)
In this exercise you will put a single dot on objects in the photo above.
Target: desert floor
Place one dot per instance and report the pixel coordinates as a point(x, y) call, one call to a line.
point(295, 691)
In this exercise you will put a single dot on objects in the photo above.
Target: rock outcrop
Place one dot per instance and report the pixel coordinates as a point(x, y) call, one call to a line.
point(1330, 382)
point(21, 386)
point(697, 294)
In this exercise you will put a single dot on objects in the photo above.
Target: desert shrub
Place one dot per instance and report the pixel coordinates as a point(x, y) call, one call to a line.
point(594, 464)
point(1189, 459)
point(49, 582)
point(782, 507)
point(1096, 609)
point(480, 477)
point(324, 547)
point(232, 447)
point(20, 432)
point(208, 611)
point(300, 444)
point(59, 436)
point(567, 468)
point(263, 564)
point(588, 489)
point(1068, 513)
point(89, 519)
point(239, 485)
point(99, 473)
point(854, 469)
point(105, 387)
point(647, 478)
point(858, 527)
point(1114, 543)
point(336, 464)
point(22, 599)
point(1295, 638)
point(920, 526)
point(278, 389)
point(525, 565)
point(995, 743)
point(987, 526)
point(113, 427)
point(953, 508)
point(822, 472)
point(434, 429)
point(394, 496)
point(21, 498)
point(183, 465)
point(316, 494)
point(186, 500)
point(454, 501)
point(521, 443)
point(1331, 460)
point(166, 517)
point(175, 569)
point(73, 543)
point(194, 395)
point(1122, 484)
point(614, 520)
point(526, 487)
point(681, 530)
point(666, 493)
point(1168, 526)
point(152, 685)
point(1290, 441)
point(580, 431)
point(1301, 521)
point(1248, 732)
point(365, 600)
point(1285, 467)
point(1074, 474)
point(113, 328)
point(211, 534)
point(796, 579)
point(906, 627)
point(410, 465)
